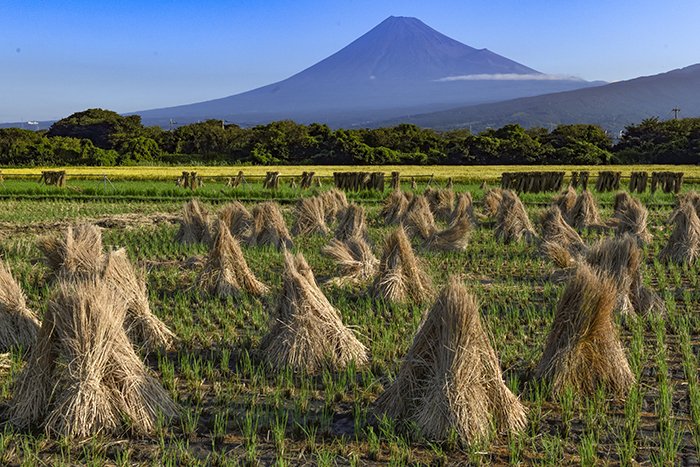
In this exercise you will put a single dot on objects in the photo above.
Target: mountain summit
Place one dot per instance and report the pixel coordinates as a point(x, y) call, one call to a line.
point(400, 66)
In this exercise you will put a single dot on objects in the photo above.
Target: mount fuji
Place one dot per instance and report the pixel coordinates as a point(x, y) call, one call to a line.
point(400, 67)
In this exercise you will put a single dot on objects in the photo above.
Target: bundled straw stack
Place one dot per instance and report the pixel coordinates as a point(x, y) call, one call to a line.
point(451, 379)
point(512, 221)
point(621, 259)
point(307, 333)
point(354, 259)
point(583, 350)
point(268, 227)
point(684, 243)
point(142, 326)
point(352, 222)
point(400, 278)
point(632, 220)
point(454, 238)
point(395, 207)
point(419, 219)
point(226, 272)
point(334, 200)
point(584, 213)
point(556, 231)
point(492, 201)
point(194, 225)
point(464, 207)
point(78, 255)
point(310, 217)
point(18, 324)
point(83, 376)
point(565, 201)
point(237, 218)
point(441, 202)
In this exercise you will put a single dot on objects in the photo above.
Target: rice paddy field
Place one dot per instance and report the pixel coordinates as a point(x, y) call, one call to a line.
point(236, 409)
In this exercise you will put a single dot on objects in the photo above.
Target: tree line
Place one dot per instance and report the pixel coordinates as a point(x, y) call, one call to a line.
point(103, 137)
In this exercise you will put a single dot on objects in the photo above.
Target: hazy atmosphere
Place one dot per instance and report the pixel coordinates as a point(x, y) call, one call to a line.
point(61, 57)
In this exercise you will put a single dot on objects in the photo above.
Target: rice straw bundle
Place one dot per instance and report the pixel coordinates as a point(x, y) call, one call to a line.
point(237, 218)
point(418, 219)
point(492, 200)
point(583, 350)
point(555, 230)
point(621, 259)
point(269, 227)
point(453, 238)
point(309, 217)
point(77, 254)
point(400, 277)
point(692, 197)
point(512, 222)
point(194, 225)
point(684, 243)
point(18, 324)
point(334, 200)
point(585, 212)
point(565, 201)
point(226, 272)
point(352, 222)
point(83, 376)
point(450, 379)
point(632, 219)
point(395, 206)
point(441, 202)
point(464, 207)
point(353, 258)
point(143, 328)
point(307, 332)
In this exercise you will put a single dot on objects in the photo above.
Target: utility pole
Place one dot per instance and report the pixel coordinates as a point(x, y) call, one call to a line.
point(675, 111)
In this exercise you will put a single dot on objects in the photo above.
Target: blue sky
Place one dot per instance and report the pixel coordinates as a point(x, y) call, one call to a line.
point(59, 57)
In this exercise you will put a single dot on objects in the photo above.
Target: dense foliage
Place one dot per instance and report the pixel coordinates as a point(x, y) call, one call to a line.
point(102, 137)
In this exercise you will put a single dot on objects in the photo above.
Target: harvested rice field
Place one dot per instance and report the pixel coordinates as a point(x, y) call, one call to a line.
point(491, 329)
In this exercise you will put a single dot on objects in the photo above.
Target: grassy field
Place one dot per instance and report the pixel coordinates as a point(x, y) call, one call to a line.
point(237, 411)
point(458, 172)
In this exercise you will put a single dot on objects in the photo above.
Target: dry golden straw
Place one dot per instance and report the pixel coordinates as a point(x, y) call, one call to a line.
point(310, 217)
point(400, 277)
point(395, 206)
point(450, 378)
point(307, 333)
point(354, 259)
point(512, 222)
point(352, 222)
point(583, 350)
point(684, 243)
point(18, 324)
point(194, 225)
point(142, 326)
point(226, 272)
point(269, 227)
point(238, 219)
point(584, 213)
point(83, 376)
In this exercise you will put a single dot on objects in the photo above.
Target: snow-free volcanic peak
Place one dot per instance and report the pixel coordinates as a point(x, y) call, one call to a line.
point(396, 68)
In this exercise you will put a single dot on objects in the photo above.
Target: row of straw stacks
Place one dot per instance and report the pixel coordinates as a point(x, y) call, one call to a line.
point(532, 182)
point(668, 182)
point(53, 178)
point(190, 181)
point(608, 181)
point(359, 181)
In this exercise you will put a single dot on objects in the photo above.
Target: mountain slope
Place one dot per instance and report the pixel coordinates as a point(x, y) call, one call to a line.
point(399, 66)
point(613, 106)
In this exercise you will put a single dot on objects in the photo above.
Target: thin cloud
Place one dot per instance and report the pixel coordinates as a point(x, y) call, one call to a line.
point(509, 77)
